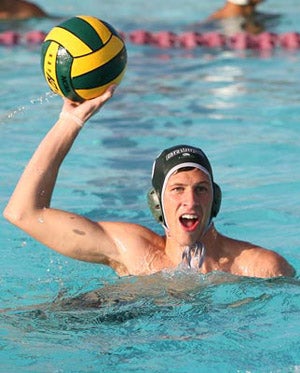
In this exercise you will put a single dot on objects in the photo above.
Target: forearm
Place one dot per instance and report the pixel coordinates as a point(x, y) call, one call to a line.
point(35, 187)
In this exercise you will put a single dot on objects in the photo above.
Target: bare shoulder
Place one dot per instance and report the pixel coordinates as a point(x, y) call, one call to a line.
point(141, 250)
point(256, 261)
point(136, 233)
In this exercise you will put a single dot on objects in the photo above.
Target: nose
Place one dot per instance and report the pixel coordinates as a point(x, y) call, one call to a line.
point(190, 199)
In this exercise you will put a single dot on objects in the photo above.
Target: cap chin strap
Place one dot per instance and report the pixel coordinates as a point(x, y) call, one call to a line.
point(192, 254)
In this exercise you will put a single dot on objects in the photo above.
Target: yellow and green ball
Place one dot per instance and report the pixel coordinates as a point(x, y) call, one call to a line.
point(82, 56)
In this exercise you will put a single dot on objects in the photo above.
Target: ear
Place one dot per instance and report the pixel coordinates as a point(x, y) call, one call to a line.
point(154, 205)
point(217, 200)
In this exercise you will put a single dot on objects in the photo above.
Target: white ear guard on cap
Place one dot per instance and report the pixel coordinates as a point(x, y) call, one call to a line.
point(154, 205)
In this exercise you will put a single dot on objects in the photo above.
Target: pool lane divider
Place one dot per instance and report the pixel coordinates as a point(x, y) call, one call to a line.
point(186, 40)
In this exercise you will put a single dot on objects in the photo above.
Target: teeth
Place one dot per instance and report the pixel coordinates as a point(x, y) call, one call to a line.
point(189, 216)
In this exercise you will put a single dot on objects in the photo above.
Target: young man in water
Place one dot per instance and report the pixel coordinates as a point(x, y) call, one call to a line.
point(184, 198)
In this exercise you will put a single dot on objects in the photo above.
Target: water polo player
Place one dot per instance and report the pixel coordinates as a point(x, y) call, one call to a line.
point(236, 16)
point(184, 198)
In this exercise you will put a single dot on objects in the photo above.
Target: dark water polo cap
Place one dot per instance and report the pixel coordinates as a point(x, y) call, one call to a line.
point(174, 158)
point(171, 160)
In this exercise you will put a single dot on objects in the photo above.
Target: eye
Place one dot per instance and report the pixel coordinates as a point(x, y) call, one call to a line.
point(178, 189)
point(200, 189)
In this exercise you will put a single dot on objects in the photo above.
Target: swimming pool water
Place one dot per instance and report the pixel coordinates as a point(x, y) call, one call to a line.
point(242, 108)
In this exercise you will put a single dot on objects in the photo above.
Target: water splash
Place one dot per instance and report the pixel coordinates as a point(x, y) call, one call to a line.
point(21, 110)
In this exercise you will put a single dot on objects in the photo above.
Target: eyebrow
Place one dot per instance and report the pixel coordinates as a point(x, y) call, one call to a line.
point(179, 183)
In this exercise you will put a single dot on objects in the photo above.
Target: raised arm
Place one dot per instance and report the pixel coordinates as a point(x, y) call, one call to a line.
point(29, 205)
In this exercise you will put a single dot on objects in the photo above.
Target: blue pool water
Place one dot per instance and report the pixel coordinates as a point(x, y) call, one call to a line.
point(243, 109)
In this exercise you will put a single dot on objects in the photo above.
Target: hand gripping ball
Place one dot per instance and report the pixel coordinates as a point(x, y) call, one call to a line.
point(82, 56)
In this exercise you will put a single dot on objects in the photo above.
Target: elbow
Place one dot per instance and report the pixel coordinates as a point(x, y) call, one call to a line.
point(8, 215)
point(13, 216)
point(21, 217)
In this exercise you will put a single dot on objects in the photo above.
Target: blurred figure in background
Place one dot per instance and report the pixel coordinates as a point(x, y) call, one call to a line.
point(19, 10)
point(239, 16)
point(236, 8)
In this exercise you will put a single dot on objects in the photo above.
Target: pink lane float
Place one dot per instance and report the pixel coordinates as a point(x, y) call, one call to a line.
point(265, 41)
point(190, 40)
point(12, 38)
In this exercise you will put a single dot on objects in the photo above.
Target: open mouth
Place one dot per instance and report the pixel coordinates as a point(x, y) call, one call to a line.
point(189, 221)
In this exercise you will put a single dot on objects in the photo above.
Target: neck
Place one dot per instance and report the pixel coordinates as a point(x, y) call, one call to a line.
point(210, 240)
point(175, 251)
